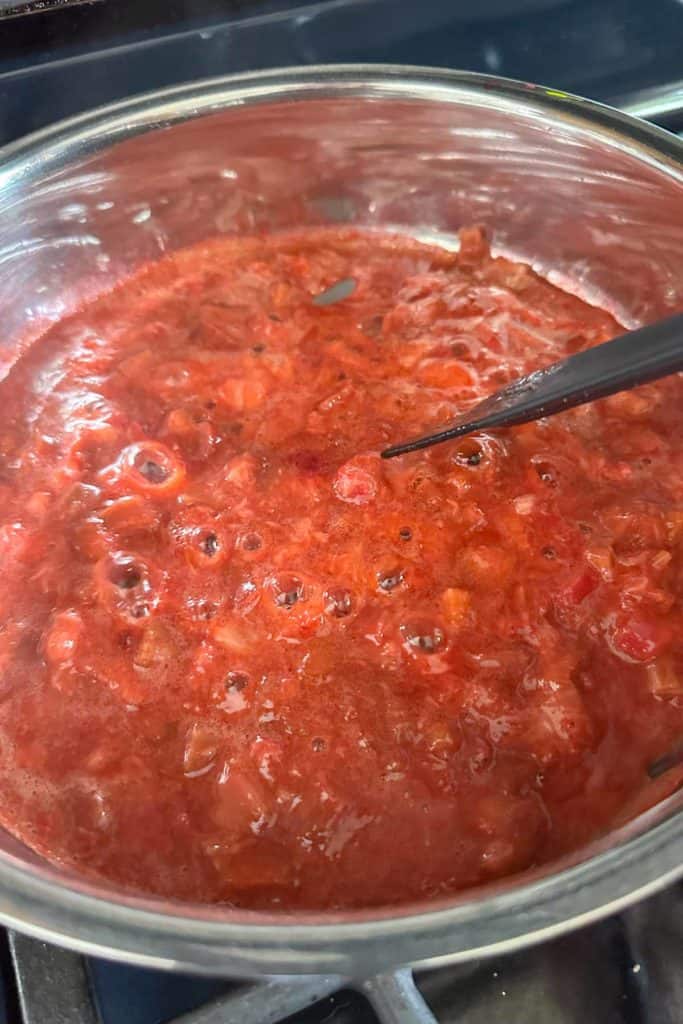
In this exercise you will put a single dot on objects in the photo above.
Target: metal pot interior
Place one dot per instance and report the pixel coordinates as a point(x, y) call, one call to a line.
point(589, 197)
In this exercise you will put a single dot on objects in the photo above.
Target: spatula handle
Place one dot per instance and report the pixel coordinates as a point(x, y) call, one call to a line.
point(621, 364)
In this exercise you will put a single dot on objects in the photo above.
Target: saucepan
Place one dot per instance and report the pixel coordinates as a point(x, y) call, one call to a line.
point(591, 197)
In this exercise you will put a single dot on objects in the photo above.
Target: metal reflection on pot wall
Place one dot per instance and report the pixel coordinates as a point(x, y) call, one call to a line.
point(587, 194)
point(596, 211)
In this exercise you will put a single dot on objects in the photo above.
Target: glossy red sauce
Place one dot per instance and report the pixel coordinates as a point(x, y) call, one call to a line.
point(245, 660)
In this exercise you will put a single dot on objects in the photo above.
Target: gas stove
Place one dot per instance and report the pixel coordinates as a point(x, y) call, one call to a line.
point(60, 57)
point(625, 970)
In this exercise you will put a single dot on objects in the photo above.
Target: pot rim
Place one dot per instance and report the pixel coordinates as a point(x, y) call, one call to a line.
point(95, 919)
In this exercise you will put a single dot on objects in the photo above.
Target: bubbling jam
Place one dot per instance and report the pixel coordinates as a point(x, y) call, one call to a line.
point(244, 660)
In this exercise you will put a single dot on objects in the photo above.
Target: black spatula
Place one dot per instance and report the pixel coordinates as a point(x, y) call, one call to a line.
point(618, 365)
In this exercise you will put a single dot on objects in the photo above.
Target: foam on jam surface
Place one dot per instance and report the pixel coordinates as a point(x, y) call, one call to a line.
point(242, 659)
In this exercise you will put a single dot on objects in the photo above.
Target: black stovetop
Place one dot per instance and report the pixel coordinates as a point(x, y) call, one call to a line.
point(59, 57)
point(79, 55)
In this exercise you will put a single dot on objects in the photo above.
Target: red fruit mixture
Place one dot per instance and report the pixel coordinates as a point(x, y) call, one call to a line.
point(243, 659)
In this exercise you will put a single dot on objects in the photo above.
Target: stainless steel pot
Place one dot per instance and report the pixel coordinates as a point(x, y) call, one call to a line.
point(587, 194)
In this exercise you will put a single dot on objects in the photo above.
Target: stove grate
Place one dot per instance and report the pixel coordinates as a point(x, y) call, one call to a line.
point(625, 970)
